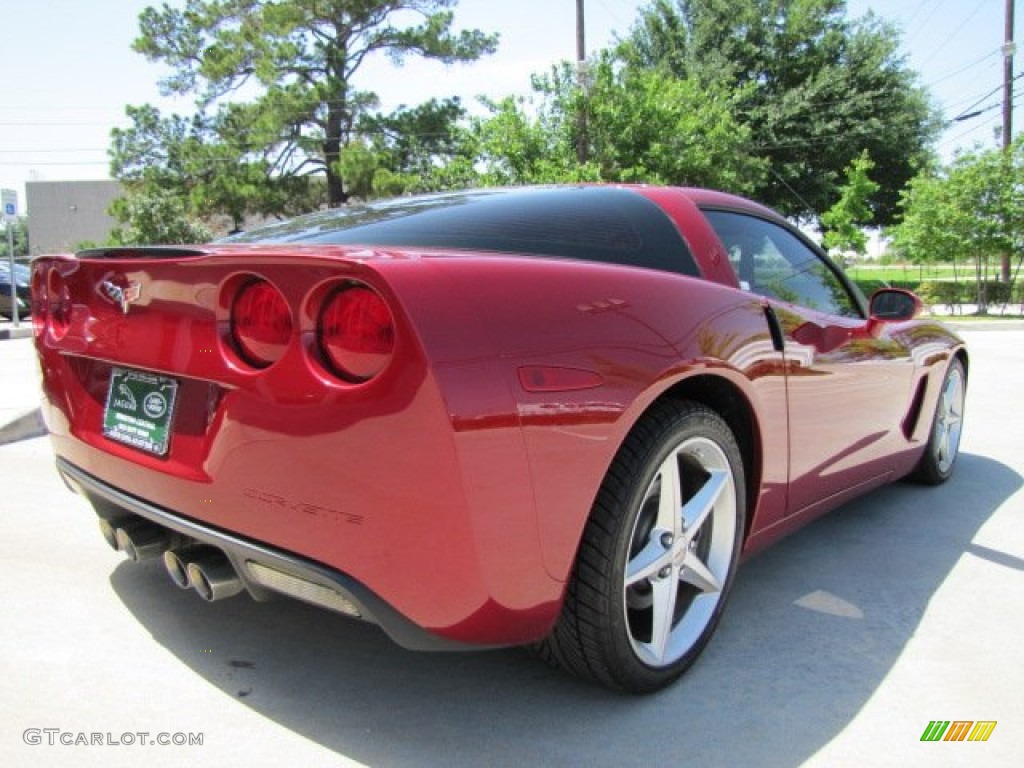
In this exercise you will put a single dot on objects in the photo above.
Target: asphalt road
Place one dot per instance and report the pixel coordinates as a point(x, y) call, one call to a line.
point(839, 647)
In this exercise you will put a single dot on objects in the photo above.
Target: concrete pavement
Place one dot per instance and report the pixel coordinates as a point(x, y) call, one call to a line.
point(840, 644)
point(19, 390)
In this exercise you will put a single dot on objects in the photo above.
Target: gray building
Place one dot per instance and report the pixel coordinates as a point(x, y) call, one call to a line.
point(64, 214)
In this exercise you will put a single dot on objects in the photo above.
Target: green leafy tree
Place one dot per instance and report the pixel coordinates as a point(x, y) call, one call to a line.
point(155, 217)
point(414, 143)
point(301, 58)
point(815, 89)
point(514, 146)
point(646, 126)
point(425, 148)
point(208, 162)
point(359, 165)
point(973, 208)
point(642, 126)
point(19, 234)
point(844, 222)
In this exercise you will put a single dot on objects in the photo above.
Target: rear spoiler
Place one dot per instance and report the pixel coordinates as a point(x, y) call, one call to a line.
point(147, 252)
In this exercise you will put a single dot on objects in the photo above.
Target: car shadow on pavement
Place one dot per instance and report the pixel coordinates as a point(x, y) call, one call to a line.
point(814, 626)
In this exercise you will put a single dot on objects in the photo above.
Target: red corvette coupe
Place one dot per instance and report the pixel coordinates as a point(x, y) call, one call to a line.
point(545, 416)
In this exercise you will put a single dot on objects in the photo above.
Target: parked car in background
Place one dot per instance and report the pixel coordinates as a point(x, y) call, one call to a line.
point(555, 417)
point(22, 277)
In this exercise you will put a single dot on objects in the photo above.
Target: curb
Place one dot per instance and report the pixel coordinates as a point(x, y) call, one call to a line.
point(9, 332)
point(985, 325)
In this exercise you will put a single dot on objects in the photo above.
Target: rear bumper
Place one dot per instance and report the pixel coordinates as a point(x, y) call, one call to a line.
point(264, 570)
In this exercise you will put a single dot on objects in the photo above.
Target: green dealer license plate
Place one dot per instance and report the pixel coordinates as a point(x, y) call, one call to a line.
point(139, 409)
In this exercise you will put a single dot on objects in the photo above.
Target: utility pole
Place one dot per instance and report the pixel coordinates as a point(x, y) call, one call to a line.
point(581, 74)
point(1009, 48)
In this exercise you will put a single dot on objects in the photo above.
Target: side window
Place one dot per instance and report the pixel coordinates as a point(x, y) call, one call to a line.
point(771, 261)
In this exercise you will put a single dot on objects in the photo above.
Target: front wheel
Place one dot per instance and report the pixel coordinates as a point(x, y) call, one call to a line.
point(658, 554)
point(936, 465)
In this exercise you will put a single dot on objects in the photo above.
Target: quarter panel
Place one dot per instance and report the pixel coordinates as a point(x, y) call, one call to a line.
point(640, 332)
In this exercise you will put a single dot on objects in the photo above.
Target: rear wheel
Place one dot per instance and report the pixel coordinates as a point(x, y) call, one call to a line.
point(658, 554)
point(936, 465)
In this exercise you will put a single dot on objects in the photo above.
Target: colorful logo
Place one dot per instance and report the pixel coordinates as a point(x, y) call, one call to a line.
point(958, 730)
point(155, 405)
point(122, 296)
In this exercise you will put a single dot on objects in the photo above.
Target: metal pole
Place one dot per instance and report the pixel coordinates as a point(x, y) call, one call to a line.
point(1008, 51)
point(581, 73)
point(14, 280)
point(581, 40)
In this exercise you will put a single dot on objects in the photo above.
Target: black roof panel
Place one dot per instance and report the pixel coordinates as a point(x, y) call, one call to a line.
point(591, 223)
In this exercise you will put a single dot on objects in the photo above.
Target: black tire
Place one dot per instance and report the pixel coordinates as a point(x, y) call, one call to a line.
point(939, 457)
point(654, 568)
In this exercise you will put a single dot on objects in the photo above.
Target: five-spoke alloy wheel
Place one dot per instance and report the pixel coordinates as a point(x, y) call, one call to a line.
point(681, 551)
point(936, 465)
point(658, 554)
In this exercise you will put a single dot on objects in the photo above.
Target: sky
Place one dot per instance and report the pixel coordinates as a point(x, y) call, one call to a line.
point(68, 69)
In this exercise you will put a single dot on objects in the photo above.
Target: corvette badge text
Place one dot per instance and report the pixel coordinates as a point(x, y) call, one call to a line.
point(958, 730)
point(52, 737)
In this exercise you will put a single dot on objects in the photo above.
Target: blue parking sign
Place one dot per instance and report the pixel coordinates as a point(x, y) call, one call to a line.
point(10, 202)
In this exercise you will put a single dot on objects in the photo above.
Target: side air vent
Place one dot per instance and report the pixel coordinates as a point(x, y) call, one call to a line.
point(914, 412)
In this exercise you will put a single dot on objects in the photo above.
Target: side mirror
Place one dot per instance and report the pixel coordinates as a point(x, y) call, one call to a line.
point(895, 305)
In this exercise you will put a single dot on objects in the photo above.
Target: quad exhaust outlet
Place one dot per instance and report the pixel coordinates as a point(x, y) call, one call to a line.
point(203, 568)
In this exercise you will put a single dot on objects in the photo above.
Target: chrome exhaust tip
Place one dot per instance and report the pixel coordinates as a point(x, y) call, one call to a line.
point(109, 532)
point(176, 562)
point(213, 577)
point(141, 541)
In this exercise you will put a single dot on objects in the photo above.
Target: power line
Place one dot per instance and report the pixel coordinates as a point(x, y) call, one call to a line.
point(994, 91)
point(919, 28)
point(916, 11)
point(819, 140)
point(51, 151)
point(613, 14)
point(987, 108)
point(992, 122)
point(21, 164)
point(943, 78)
point(973, 98)
point(51, 124)
point(956, 31)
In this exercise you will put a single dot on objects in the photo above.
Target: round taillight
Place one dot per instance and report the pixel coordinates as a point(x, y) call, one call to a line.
point(59, 303)
point(261, 323)
point(40, 301)
point(356, 332)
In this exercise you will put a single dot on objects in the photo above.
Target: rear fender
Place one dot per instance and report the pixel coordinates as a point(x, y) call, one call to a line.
point(623, 338)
